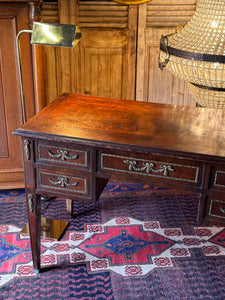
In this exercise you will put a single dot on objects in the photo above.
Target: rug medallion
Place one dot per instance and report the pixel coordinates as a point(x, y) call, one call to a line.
point(123, 245)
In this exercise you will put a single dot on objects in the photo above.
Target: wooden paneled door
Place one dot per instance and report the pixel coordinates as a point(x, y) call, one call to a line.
point(118, 54)
point(103, 63)
point(156, 18)
point(14, 16)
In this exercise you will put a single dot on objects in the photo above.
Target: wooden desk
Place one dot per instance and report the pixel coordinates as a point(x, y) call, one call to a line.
point(76, 144)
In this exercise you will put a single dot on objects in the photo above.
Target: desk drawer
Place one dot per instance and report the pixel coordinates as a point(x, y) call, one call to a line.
point(158, 167)
point(63, 181)
point(215, 208)
point(218, 178)
point(63, 154)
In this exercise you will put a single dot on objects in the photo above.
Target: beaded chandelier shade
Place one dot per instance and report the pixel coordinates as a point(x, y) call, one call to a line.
point(196, 53)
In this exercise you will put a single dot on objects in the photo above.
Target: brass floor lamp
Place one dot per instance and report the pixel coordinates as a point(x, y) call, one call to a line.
point(58, 35)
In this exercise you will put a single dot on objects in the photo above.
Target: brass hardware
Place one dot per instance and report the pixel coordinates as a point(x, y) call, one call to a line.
point(63, 181)
point(52, 34)
point(31, 202)
point(148, 167)
point(165, 169)
point(63, 154)
point(27, 148)
point(45, 198)
point(132, 166)
point(222, 210)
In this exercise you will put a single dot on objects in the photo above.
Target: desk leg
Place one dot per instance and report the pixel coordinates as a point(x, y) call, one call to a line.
point(34, 215)
point(201, 209)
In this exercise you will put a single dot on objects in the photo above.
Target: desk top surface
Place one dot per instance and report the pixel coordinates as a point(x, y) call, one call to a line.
point(128, 123)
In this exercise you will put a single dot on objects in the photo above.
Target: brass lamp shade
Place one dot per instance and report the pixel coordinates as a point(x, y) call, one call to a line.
point(196, 53)
point(58, 35)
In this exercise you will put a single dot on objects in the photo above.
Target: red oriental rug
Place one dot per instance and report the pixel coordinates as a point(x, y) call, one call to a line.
point(137, 242)
point(125, 246)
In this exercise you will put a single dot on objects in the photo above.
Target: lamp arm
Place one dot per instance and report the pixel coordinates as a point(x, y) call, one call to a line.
point(20, 71)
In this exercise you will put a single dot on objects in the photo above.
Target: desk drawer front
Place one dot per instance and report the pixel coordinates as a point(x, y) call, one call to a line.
point(219, 179)
point(61, 182)
point(217, 208)
point(63, 155)
point(152, 167)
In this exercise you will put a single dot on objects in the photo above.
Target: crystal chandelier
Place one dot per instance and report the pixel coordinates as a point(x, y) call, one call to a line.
point(196, 53)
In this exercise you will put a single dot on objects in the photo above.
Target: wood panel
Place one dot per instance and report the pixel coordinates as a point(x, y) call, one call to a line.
point(3, 133)
point(14, 16)
point(103, 63)
point(50, 13)
point(160, 17)
point(107, 61)
point(107, 14)
point(169, 13)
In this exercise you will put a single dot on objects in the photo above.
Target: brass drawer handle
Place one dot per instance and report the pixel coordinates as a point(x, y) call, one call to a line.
point(63, 154)
point(222, 210)
point(31, 202)
point(27, 148)
point(63, 181)
point(148, 167)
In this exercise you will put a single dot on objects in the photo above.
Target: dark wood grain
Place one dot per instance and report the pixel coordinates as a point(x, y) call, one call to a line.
point(160, 126)
point(14, 16)
point(77, 143)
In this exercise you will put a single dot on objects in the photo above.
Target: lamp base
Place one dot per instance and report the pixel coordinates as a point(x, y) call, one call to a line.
point(50, 228)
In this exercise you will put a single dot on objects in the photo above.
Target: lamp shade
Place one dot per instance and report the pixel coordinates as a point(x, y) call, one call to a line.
point(196, 53)
point(61, 35)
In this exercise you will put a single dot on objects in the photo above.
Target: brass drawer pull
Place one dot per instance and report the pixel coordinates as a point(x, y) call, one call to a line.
point(222, 210)
point(63, 181)
point(63, 154)
point(27, 148)
point(148, 167)
point(31, 202)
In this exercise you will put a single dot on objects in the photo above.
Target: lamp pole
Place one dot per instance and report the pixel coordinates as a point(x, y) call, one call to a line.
point(20, 72)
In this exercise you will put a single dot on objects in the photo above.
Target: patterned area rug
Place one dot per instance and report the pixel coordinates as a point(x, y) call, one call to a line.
point(136, 242)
